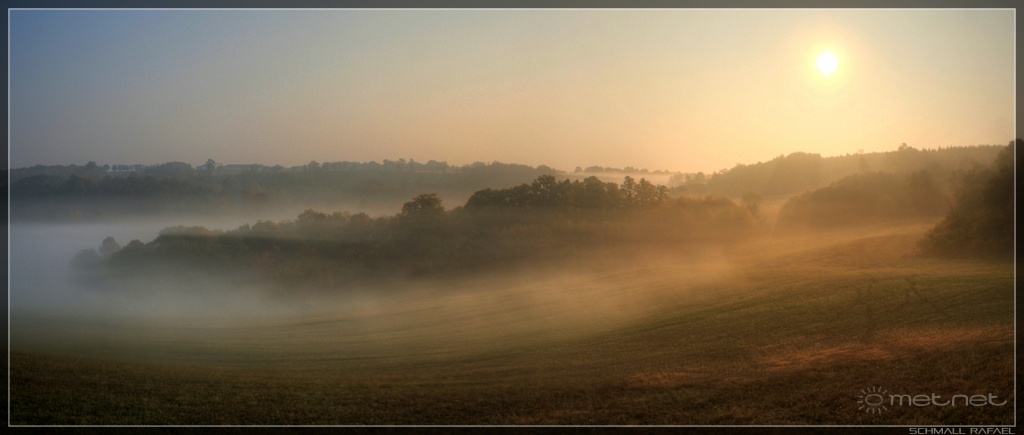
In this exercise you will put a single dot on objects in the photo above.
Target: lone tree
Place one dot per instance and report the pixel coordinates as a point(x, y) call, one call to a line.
point(422, 225)
point(424, 206)
point(86, 259)
point(109, 247)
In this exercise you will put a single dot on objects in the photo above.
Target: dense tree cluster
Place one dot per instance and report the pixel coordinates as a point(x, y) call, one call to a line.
point(609, 170)
point(591, 192)
point(95, 191)
point(131, 186)
point(799, 172)
point(45, 192)
point(330, 250)
point(546, 221)
point(865, 198)
point(784, 174)
point(981, 220)
point(89, 170)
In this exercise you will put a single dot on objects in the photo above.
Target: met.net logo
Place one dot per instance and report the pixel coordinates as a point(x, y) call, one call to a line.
point(876, 400)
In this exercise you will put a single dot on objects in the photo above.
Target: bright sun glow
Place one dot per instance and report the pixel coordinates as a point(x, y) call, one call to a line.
point(827, 63)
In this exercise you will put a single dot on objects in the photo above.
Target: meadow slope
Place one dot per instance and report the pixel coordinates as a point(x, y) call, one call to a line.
point(786, 330)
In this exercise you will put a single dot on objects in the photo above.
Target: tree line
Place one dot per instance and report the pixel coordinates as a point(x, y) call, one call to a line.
point(867, 198)
point(549, 221)
point(981, 219)
point(799, 172)
point(976, 210)
point(57, 192)
point(335, 250)
point(591, 192)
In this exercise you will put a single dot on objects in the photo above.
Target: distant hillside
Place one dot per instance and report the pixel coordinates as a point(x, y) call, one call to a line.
point(981, 221)
point(799, 172)
point(863, 199)
point(95, 191)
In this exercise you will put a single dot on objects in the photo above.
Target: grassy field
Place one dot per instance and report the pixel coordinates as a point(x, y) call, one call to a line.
point(789, 330)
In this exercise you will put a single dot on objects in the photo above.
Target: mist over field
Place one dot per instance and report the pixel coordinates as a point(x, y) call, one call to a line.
point(593, 289)
point(501, 217)
point(40, 275)
point(45, 285)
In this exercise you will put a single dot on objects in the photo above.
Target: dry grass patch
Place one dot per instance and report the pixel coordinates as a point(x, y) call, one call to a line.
point(886, 346)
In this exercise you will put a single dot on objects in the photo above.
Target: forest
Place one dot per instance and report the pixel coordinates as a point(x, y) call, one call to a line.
point(99, 192)
point(546, 220)
point(746, 220)
point(799, 172)
point(558, 222)
point(542, 298)
point(95, 192)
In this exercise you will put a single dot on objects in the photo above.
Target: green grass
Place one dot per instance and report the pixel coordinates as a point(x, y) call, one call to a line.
point(782, 332)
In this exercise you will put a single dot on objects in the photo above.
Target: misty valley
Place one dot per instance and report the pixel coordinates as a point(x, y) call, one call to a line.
point(343, 293)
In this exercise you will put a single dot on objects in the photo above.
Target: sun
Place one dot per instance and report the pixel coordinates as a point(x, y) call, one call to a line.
point(827, 63)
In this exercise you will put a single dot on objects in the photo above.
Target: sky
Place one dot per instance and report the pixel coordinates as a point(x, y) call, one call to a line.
point(679, 89)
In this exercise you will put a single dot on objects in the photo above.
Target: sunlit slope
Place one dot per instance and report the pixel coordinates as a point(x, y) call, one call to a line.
point(784, 331)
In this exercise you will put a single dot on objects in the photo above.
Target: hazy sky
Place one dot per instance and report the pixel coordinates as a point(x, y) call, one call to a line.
point(681, 89)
